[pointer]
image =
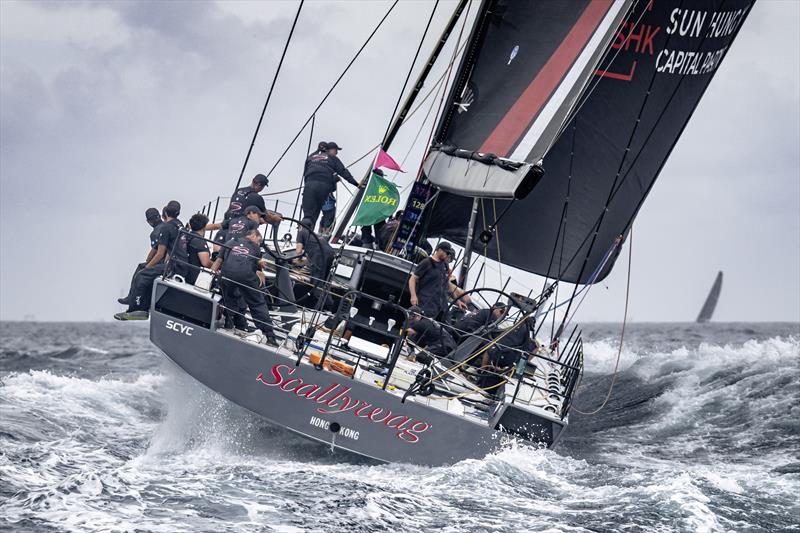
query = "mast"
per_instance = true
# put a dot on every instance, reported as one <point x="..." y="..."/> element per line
<point x="462" y="76"/>
<point x="467" y="260"/>
<point x="398" y="120"/>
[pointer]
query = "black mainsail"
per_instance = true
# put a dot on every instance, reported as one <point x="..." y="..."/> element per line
<point x="526" y="66"/>
<point x="611" y="140"/>
<point x="711" y="301"/>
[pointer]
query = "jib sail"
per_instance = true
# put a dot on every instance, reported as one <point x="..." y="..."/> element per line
<point x="608" y="155"/>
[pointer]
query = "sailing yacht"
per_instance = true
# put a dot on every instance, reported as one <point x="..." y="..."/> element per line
<point x="557" y="120"/>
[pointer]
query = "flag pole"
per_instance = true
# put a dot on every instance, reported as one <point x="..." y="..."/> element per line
<point x="398" y="120"/>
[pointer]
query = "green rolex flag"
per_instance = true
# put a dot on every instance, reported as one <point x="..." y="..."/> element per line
<point x="380" y="201"/>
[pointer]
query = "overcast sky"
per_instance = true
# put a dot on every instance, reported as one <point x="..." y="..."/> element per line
<point x="107" y="108"/>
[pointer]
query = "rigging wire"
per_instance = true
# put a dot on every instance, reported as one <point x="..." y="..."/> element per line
<point x="269" y="95"/>
<point x="419" y="131"/>
<point x="434" y="90"/>
<point x="449" y="71"/>
<point x="457" y="49"/>
<point x="621" y="335"/>
<point x="308" y="151"/>
<point x="339" y="79"/>
<point x="411" y="69"/>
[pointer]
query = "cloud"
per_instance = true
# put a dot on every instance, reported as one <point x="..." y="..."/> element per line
<point x="107" y="108"/>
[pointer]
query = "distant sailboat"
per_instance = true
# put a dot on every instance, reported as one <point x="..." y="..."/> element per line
<point x="711" y="301"/>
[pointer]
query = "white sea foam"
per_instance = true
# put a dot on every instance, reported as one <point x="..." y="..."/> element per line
<point x="159" y="452"/>
<point x="601" y="356"/>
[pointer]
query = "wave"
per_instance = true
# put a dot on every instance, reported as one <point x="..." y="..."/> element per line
<point x="600" y="355"/>
<point x="697" y="404"/>
<point x="699" y="437"/>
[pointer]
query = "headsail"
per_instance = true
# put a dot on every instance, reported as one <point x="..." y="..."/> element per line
<point x="711" y="301"/>
<point x="526" y="66"/>
<point x="602" y="166"/>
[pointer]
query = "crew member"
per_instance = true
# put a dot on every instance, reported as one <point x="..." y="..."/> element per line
<point x="497" y="361"/>
<point x="318" y="255"/>
<point x="239" y="262"/>
<point x="322" y="171"/>
<point x="247" y="196"/>
<point x="429" y="284"/>
<point x="251" y="218"/>
<point x="239" y="226"/>
<point x="481" y="319"/>
<point x="196" y="247"/>
<point x="502" y="355"/>
<point x="428" y="335"/>
<point x="167" y="243"/>
<point x="220" y="238"/>
<point x="153" y="218"/>
<point x="386" y="232"/>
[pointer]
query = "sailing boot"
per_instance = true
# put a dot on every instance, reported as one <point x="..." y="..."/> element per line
<point x="132" y="315"/>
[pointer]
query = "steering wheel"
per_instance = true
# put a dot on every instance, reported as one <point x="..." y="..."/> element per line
<point x="289" y="256"/>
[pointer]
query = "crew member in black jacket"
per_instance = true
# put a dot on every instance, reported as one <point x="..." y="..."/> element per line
<point x="239" y="262"/>
<point x="247" y="196"/>
<point x="323" y="170"/>
<point x="153" y="218"/>
<point x="168" y="244"/>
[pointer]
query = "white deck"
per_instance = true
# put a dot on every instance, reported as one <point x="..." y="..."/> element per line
<point x="545" y="399"/>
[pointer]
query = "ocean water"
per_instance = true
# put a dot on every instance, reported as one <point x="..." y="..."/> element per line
<point x="702" y="433"/>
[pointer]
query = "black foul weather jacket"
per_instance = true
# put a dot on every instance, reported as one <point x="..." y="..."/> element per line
<point x="327" y="169"/>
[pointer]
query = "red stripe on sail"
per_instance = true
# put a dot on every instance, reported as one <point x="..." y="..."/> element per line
<point x="528" y="105"/>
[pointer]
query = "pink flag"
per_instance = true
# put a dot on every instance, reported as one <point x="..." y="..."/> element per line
<point x="384" y="160"/>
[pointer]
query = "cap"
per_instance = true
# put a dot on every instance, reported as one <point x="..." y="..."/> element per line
<point x="261" y="179"/>
<point x="322" y="146"/>
<point x="308" y="221"/>
<point x="333" y="145"/>
<point x="447" y="247"/>
<point x="416" y="310"/>
<point x="378" y="171"/>
<point x="253" y="209"/>
<point x="152" y="214"/>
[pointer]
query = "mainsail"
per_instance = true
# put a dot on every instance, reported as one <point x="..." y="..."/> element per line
<point x="711" y="301"/>
<point x="525" y="68"/>
<point x="617" y="136"/>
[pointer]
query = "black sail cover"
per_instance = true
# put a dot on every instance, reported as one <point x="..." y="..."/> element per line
<point x="609" y="153"/>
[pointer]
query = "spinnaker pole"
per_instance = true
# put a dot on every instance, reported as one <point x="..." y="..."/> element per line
<point x="391" y="133"/>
